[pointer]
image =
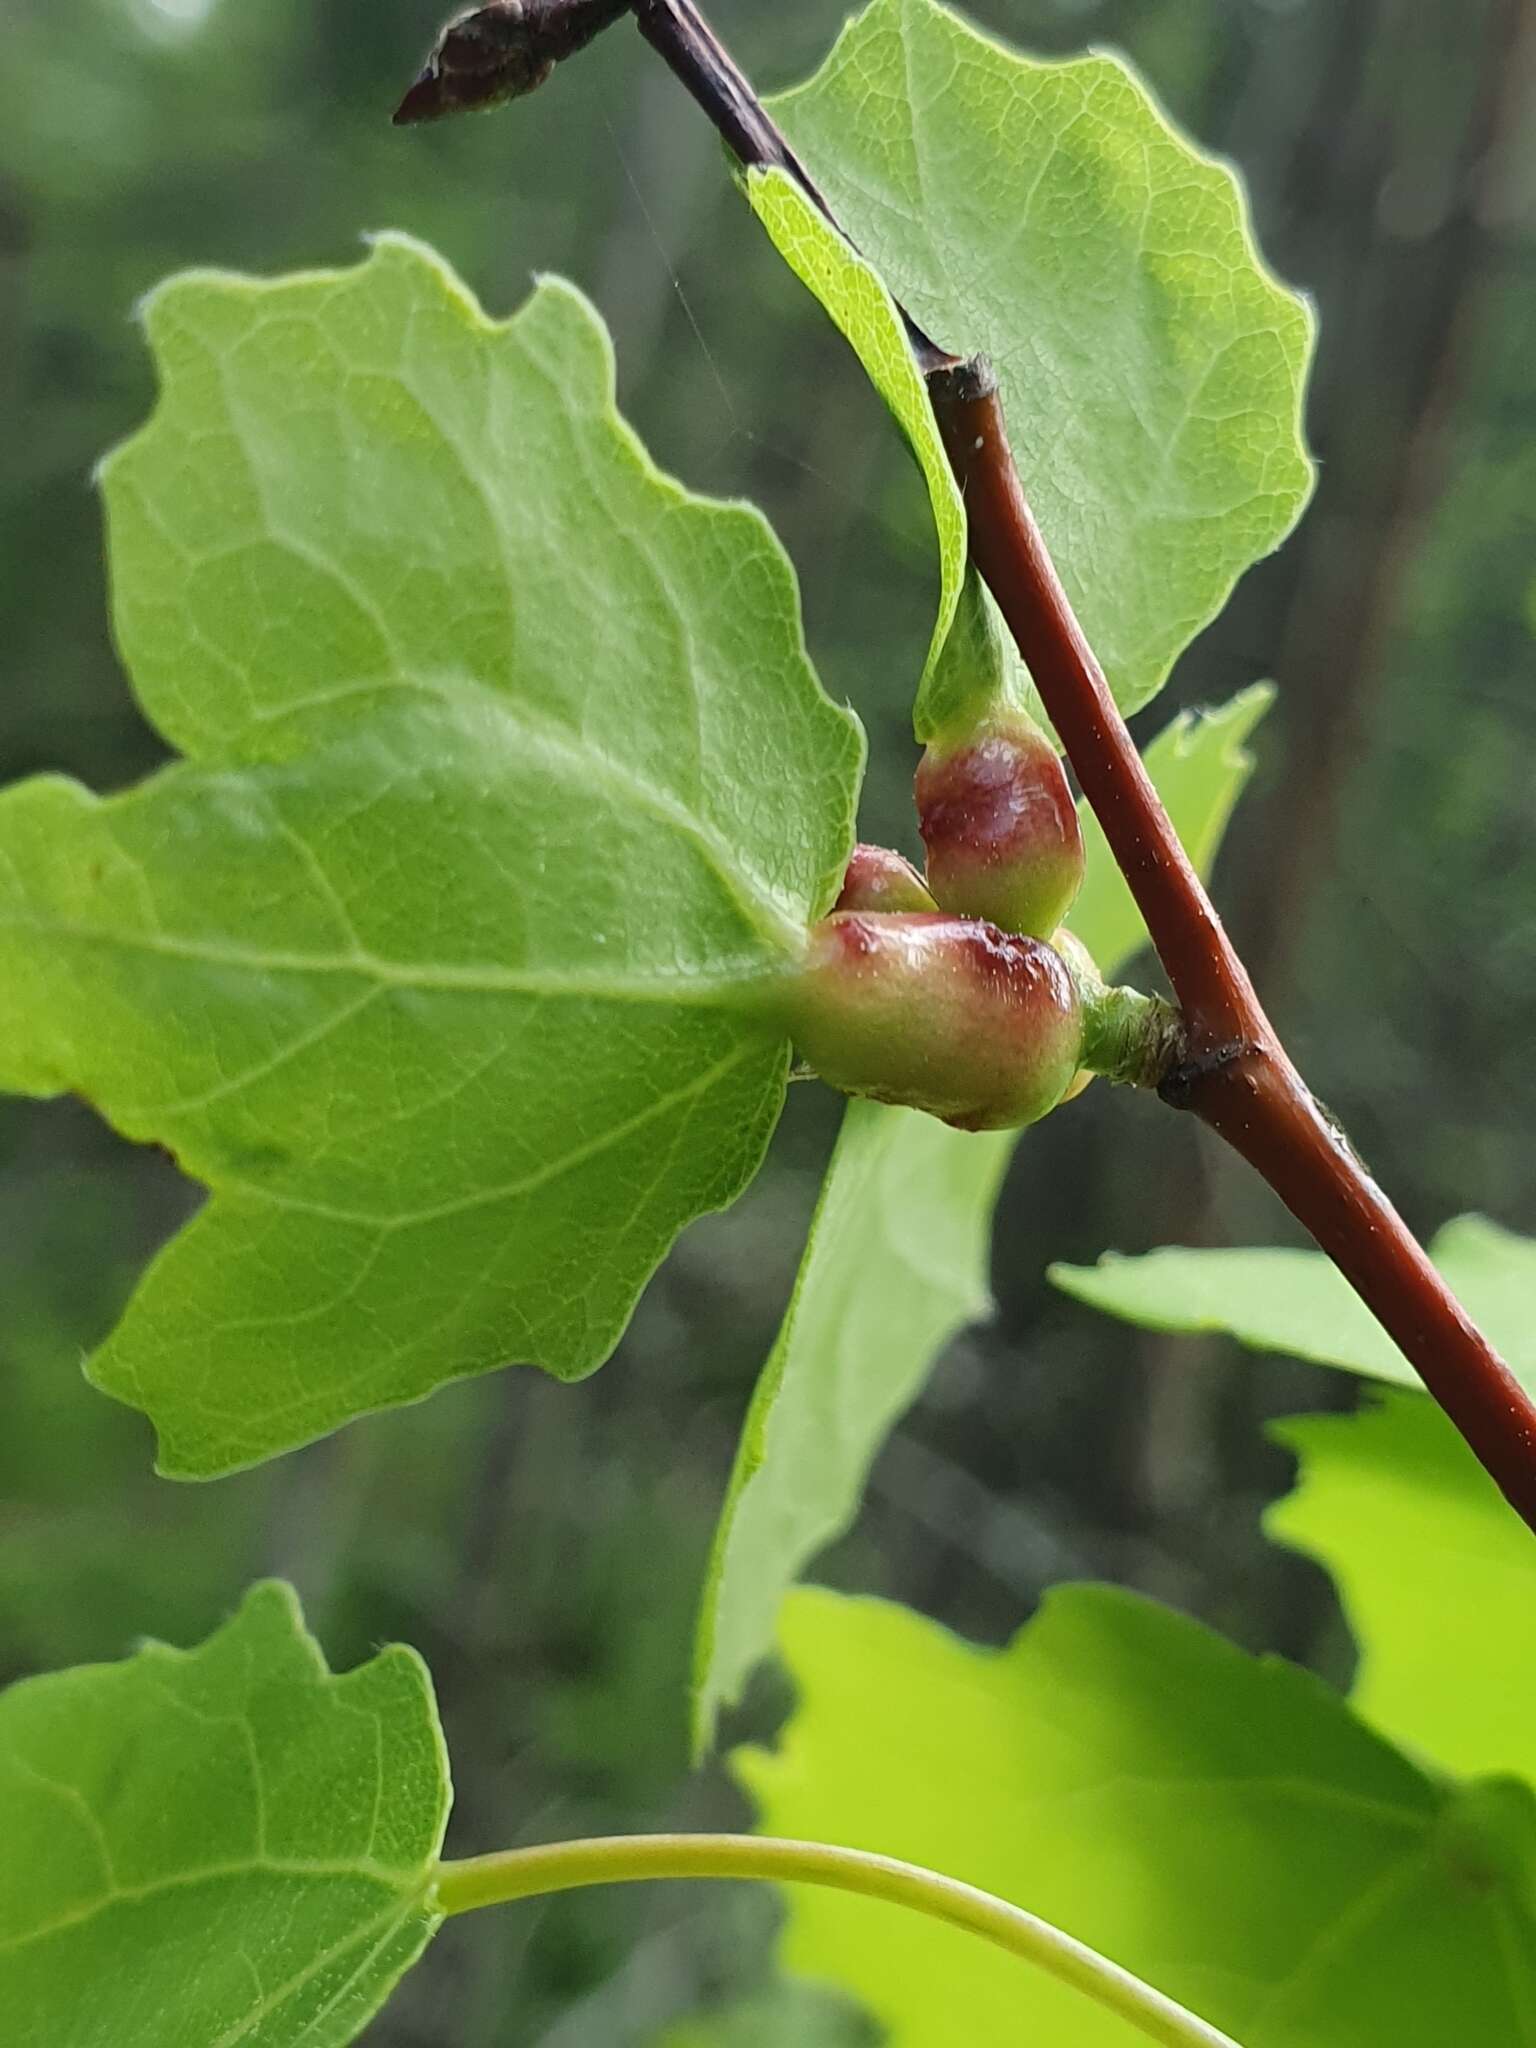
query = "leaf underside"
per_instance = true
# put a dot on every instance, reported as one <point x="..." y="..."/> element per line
<point x="505" y="769"/>
<point x="226" y="1847"/>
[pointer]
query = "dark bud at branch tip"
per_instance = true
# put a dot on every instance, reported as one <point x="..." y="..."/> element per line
<point x="501" y="52"/>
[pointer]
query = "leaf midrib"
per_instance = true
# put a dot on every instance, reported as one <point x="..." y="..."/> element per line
<point x="716" y="989"/>
<point x="365" y="1869"/>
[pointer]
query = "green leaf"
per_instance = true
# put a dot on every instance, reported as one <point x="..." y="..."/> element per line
<point x="1220" y="1825"/>
<point x="1298" y="1302"/>
<point x="1436" y="1576"/>
<point x="1434" y="1573"/>
<point x="1048" y="216"/>
<point x="226" y="1846"/>
<point x="853" y="294"/>
<point x="977" y="671"/>
<point x="507" y="772"/>
<point x="897" y="1263"/>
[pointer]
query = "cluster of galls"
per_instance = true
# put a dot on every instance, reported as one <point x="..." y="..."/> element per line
<point x="956" y="991"/>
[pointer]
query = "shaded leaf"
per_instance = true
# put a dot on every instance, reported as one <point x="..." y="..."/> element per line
<point x="1048" y="216"/>
<point x="1437" y="1579"/>
<point x="1220" y="1825"/>
<point x="896" y="1264"/>
<point x="507" y="772"/>
<point x="218" y="1847"/>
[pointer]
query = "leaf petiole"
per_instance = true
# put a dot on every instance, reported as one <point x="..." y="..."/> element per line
<point x="634" y="1859"/>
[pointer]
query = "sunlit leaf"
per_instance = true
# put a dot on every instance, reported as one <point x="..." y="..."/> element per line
<point x="226" y="1848"/>
<point x="506" y="767"/>
<point x="897" y="1263"/>
<point x="1436" y="1576"/>
<point x="1220" y="1825"/>
<point x="1298" y="1302"/>
<point x="853" y="294"/>
<point x="1047" y="215"/>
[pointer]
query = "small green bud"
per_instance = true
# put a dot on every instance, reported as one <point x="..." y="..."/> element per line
<point x="878" y="879"/>
<point x="979" y="1027"/>
<point x="1000" y="826"/>
<point x="1129" y="1038"/>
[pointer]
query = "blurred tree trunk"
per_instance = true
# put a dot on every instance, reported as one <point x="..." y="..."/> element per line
<point x="1390" y="231"/>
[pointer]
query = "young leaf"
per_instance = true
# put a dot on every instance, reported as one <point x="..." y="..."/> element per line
<point x="977" y="671"/>
<point x="1296" y="1301"/>
<point x="226" y="1846"/>
<point x="1048" y="216"/>
<point x="1436" y="1577"/>
<point x="506" y="771"/>
<point x="1221" y="1825"/>
<point x="897" y="1264"/>
<point x="857" y="300"/>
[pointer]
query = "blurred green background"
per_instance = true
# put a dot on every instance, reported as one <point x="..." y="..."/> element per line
<point x="543" y="1546"/>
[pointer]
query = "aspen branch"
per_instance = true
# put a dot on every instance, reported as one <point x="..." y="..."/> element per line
<point x="1231" y="1070"/>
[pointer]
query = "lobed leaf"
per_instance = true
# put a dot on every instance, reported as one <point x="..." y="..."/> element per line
<point x="897" y="1264"/>
<point x="506" y="774"/>
<point x="227" y="1847"/>
<point x="1298" y="1302"/>
<point x="1221" y="1825"/>
<point x="1436" y="1577"/>
<point x="1047" y="215"/>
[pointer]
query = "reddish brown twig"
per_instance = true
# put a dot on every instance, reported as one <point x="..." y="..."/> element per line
<point x="1234" y="1074"/>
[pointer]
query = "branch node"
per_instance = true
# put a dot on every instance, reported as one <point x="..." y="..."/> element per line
<point x="1178" y="1085"/>
<point x="507" y="48"/>
<point x="962" y="381"/>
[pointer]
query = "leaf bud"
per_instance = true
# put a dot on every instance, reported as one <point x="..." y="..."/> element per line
<point x="979" y="1027"/>
<point x="499" y="52"/>
<point x="1129" y="1038"/>
<point x="878" y="879"/>
<point x="1000" y="825"/>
